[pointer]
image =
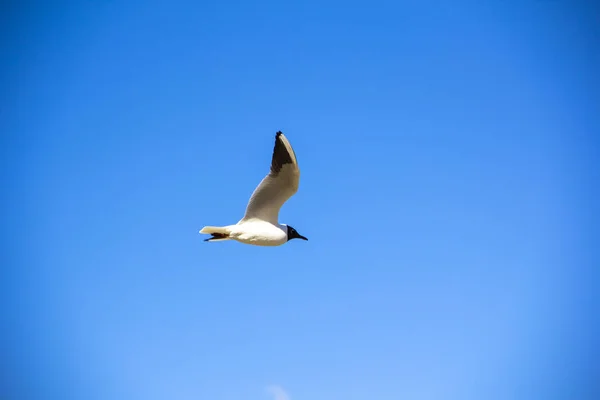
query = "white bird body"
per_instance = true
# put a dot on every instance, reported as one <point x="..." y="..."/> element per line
<point x="260" y="226"/>
<point x="256" y="232"/>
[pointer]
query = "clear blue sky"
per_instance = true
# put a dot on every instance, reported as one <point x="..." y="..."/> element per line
<point x="446" y="153"/>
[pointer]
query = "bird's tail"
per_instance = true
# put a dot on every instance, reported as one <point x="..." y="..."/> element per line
<point x="218" y="233"/>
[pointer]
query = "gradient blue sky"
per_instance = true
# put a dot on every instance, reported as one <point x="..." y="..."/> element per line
<point x="446" y="150"/>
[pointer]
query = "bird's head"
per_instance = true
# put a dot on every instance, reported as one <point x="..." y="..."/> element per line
<point x="293" y="234"/>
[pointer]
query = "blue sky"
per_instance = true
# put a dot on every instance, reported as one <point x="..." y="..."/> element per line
<point x="446" y="151"/>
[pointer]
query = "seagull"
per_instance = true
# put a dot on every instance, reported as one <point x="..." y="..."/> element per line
<point x="260" y="225"/>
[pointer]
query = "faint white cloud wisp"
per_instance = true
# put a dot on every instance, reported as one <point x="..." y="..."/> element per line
<point x="277" y="392"/>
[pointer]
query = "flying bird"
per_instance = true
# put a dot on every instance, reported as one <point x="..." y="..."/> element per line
<point x="260" y="225"/>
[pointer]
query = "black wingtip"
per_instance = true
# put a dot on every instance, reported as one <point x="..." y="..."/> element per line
<point x="280" y="154"/>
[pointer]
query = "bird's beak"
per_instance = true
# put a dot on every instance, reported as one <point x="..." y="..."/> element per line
<point x="302" y="237"/>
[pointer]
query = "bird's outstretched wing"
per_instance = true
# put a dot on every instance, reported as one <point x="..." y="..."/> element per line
<point x="278" y="186"/>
